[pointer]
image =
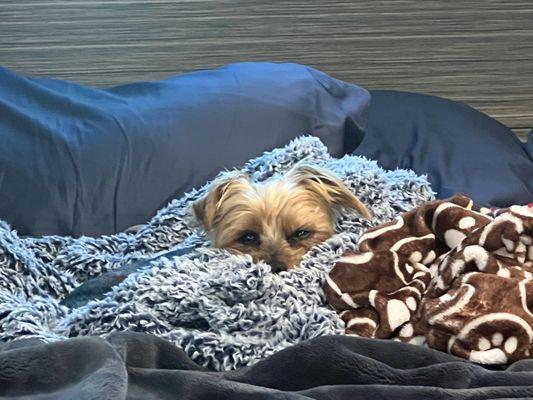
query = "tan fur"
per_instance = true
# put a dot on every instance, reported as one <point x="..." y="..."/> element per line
<point x="305" y="199"/>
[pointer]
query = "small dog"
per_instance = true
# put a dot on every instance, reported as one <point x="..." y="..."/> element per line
<point x="277" y="221"/>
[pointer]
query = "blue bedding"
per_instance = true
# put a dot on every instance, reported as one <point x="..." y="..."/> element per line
<point x="82" y="161"/>
<point x="458" y="147"/>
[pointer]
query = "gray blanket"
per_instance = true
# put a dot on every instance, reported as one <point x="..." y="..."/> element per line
<point x="223" y="310"/>
<point x="137" y="366"/>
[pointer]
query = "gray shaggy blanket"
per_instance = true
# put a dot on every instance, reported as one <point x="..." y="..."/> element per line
<point x="223" y="310"/>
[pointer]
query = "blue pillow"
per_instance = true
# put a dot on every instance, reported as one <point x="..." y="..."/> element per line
<point x="458" y="147"/>
<point x="82" y="161"/>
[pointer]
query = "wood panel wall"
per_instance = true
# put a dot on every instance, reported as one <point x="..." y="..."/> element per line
<point x="477" y="51"/>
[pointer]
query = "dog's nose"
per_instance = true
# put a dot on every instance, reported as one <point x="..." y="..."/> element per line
<point x="278" y="266"/>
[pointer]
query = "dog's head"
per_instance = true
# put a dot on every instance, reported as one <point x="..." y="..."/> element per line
<point x="277" y="221"/>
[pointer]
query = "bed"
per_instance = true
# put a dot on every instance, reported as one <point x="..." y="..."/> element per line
<point x="79" y="169"/>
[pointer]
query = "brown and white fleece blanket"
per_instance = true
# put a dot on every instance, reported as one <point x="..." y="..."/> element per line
<point x="445" y="276"/>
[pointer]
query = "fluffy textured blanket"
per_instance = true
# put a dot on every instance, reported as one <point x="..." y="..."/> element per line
<point x="223" y="310"/>
<point x="443" y="275"/>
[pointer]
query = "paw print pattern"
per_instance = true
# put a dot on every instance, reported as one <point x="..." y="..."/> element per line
<point x="497" y="338"/>
<point x="445" y="276"/>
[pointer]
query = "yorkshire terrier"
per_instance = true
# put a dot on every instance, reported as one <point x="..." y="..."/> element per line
<point x="276" y="221"/>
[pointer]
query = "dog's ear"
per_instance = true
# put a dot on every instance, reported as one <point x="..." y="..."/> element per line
<point x="206" y="207"/>
<point x="328" y="187"/>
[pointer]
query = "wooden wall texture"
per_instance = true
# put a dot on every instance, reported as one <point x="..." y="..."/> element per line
<point x="477" y="51"/>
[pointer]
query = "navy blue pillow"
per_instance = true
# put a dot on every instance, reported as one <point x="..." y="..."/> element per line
<point x="458" y="147"/>
<point x="81" y="161"/>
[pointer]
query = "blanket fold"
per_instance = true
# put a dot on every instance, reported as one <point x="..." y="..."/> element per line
<point x="443" y="275"/>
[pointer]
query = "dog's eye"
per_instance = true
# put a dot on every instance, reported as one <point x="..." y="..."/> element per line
<point x="301" y="234"/>
<point x="249" y="238"/>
